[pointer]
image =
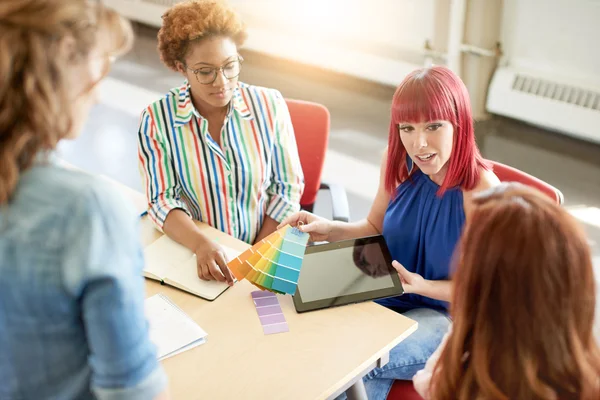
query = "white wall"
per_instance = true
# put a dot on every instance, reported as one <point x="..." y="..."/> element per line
<point x="559" y="37"/>
<point x="379" y="40"/>
<point x="374" y="24"/>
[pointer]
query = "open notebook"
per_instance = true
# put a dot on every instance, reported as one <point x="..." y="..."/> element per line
<point x="173" y="264"/>
<point x="171" y="330"/>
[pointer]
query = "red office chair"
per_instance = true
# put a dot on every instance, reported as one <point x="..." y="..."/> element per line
<point x="403" y="390"/>
<point x="311" y="126"/>
<point x="510" y="174"/>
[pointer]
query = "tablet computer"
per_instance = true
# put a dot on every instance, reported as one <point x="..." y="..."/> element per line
<point x="345" y="272"/>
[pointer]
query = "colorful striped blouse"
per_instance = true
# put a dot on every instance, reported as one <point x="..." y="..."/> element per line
<point x="255" y="172"/>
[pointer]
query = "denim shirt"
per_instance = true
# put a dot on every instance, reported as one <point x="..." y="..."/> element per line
<point x="72" y="322"/>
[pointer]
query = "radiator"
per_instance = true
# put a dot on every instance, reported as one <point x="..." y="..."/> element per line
<point x="546" y="101"/>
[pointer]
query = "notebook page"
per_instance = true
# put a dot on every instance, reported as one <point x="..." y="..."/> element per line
<point x="164" y="254"/>
<point x="185" y="277"/>
<point x="186" y="348"/>
<point x="230" y="253"/>
<point x="171" y="330"/>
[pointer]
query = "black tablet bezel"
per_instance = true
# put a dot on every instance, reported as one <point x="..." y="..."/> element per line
<point x="396" y="290"/>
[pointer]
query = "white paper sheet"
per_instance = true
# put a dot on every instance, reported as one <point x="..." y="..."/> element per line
<point x="171" y="330"/>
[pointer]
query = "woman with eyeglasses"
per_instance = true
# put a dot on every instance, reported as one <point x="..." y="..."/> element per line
<point x="523" y="306"/>
<point x="215" y="149"/>
<point x="72" y="323"/>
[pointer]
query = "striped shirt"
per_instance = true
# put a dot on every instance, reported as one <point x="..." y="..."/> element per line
<point x="255" y="172"/>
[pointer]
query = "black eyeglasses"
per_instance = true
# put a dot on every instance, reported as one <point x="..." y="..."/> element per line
<point x="207" y="75"/>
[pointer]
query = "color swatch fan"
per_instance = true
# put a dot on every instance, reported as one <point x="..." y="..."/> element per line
<point x="273" y="263"/>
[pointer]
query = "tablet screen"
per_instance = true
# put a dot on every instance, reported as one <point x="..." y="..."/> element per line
<point x="346" y="272"/>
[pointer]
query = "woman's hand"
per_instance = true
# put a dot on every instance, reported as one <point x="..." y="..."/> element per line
<point x="318" y="228"/>
<point x="212" y="262"/>
<point x="422" y="379"/>
<point x="411" y="282"/>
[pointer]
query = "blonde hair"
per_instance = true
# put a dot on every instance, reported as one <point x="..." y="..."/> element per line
<point x="194" y="20"/>
<point x="35" y="97"/>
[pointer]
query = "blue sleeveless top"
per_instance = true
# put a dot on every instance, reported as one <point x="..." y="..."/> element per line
<point x="421" y="230"/>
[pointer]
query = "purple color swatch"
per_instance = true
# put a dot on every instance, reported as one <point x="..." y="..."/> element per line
<point x="269" y="312"/>
<point x="279" y="328"/>
<point x="265" y="301"/>
<point x="272" y="319"/>
<point x="262" y="293"/>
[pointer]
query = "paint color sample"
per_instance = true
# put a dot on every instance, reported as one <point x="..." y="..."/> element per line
<point x="273" y="263"/>
<point x="269" y="312"/>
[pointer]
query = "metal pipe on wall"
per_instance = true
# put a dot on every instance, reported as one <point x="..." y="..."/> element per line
<point x="481" y="50"/>
<point x="456" y="32"/>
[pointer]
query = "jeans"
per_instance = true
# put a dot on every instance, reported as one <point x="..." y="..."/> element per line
<point x="410" y="355"/>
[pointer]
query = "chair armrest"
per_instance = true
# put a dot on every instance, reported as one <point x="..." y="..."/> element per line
<point x="339" y="201"/>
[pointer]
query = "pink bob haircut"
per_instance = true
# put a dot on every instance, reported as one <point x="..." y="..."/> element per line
<point x="434" y="94"/>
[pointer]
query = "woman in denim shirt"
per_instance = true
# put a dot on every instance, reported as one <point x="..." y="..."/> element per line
<point x="72" y="322"/>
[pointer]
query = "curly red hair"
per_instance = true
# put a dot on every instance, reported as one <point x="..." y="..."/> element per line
<point x="193" y="20"/>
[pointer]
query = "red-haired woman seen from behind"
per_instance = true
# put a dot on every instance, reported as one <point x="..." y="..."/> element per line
<point x="523" y="306"/>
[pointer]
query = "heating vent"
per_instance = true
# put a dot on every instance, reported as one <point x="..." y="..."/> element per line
<point x="541" y="99"/>
<point x="556" y="91"/>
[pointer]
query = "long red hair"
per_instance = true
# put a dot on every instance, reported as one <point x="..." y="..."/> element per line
<point x="430" y="94"/>
<point x="523" y="305"/>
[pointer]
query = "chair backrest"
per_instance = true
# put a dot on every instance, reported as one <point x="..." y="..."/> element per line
<point x="311" y="123"/>
<point x="509" y="174"/>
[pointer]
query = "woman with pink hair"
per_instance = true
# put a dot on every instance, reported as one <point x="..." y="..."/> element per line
<point x="429" y="173"/>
